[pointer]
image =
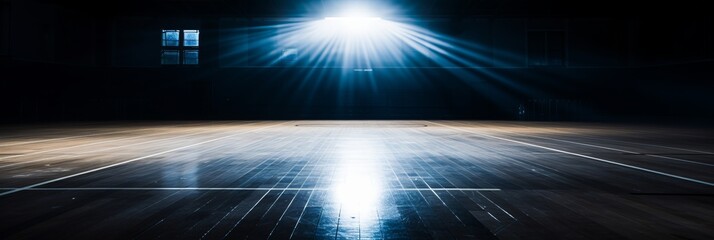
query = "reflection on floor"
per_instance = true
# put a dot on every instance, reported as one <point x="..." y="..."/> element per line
<point x="356" y="179"/>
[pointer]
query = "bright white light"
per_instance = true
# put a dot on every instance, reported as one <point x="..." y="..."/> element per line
<point x="353" y="19"/>
<point x="358" y="185"/>
<point x="355" y="40"/>
<point x="353" y="24"/>
<point x="358" y="192"/>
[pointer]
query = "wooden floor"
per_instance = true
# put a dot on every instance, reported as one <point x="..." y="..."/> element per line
<point x="356" y="179"/>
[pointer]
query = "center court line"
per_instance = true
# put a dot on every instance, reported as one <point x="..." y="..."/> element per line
<point x="581" y="155"/>
<point x="238" y="189"/>
<point x="128" y="161"/>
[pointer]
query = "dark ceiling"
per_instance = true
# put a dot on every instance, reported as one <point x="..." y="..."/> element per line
<point x="432" y="8"/>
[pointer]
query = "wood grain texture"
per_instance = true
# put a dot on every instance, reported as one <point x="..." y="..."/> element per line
<point x="356" y="179"/>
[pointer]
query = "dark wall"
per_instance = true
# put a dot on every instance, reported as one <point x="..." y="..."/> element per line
<point x="42" y="32"/>
<point x="76" y="93"/>
<point x="4" y="29"/>
<point x="63" y="63"/>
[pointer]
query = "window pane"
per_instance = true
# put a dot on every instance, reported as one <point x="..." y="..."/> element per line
<point x="170" y="38"/>
<point x="169" y="57"/>
<point x="190" y="38"/>
<point x="190" y="57"/>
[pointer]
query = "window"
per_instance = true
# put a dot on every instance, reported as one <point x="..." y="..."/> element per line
<point x="179" y="47"/>
<point x="170" y="38"/>
<point x="190" y="38"/>
<point x="546" y="48"/>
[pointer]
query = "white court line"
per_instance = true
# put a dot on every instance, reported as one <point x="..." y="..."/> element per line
<point x="90" y="144"/>
<point x="79" y="136"/>
<point x="127" y="161"/>
<point x="65" y="138"/>
<point x="679" y="159"/>
<point x="630" y="142"/>
<point x="621" y="150"/>
<point x="581" y="155"/>
<point x="662" y="146"/>
<point x="110" y="148"/>
<point x="239" y="189"/>
<point x="611" y="149"/>
<point x="75" y="146"/>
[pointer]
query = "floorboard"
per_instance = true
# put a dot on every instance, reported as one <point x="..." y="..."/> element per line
<point x="356" y="179"/>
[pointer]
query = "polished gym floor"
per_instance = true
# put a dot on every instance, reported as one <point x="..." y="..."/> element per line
<point x="356" y="179"/>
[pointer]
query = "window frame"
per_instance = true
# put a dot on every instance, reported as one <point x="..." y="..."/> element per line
<point x="181" y="48"/>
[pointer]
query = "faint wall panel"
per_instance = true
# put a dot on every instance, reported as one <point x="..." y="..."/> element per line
<point x="546" y="48"/>
<point x="136" y="42"/>
<point x="4" y="28"/>
<point x="479" y="32"/>
<point x="509" y="42"/>
<point x="75" y="39"/>
<point x="547" y="24"/>
<point x="33" y="35"/>
<point x="597" y="42"/>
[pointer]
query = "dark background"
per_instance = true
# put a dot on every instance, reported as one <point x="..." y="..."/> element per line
<point x="615" y="61"/>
